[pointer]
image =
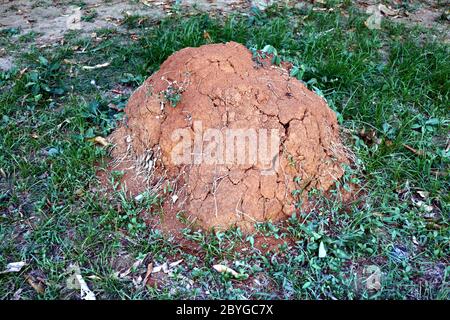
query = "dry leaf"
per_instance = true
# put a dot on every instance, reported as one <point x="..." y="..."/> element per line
<point x="97" y="66"/>
<point x="14" y="267"/>
<point x="102" y="141"/>
<point x="147" y="2"/>
<point x="423" y="205"/>
<point x="206" y="36"/>
<point x="157" y="269"/>
<point x="68" y="61"/>
<point x="35" y="284"/>
<point x="148" y="273"/>
<point x="418" y="152"/>
<point x="135" y="265"/>
<point x="387" y="11"/>
<point x="174" y="264"/>
<point x="423" y="194"/>
<point x="224" y="269"/>
<point x="165" y="267"/>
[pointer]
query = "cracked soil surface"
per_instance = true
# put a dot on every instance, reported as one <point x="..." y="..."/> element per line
<point x="225" y="87"/>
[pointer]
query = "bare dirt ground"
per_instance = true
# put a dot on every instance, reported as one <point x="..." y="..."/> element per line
<point x="50" y="20"/>
<point x="429" y="14"/>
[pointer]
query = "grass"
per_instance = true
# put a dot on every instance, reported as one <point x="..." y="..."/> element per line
<point x="390" y="88"/>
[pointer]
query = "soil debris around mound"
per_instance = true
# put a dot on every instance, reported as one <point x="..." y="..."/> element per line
<point x="231" y="139"/>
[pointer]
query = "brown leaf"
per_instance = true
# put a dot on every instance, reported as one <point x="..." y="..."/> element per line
<point x="35" y="284"/>
<point x="148" y="274"/>
<point x="101" y="141"/>
<point x="369" y="136"/>
<point x="206" y="36"/>
<point x="417" y="152"/>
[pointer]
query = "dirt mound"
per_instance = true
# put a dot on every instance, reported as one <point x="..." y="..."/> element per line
<point x="230" y="138"/>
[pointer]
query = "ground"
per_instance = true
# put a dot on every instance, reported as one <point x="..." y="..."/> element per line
<point x="62" y="87"/>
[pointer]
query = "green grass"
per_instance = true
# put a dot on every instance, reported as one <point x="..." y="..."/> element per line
<point x="392" y="82"/>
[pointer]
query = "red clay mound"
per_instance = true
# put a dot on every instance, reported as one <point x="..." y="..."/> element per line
<point x="235" y="140"/>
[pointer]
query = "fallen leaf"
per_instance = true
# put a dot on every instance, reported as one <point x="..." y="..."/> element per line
<point x="386" y="10"/>
<point x="423" y="205"/>
<point x="97" y="66"/>
<point x="157" y="269"/>
<point x="165" y="267"/>
<point x="224" y="269"/>
<point x="174" y="264"/>
<point x="322" y="250"/>
<point x="117" y="91"/>
<point x="369" y="137"/>
<point x="68" y="61"/>
<point x="14" y="267"/>
<point x="423" y="194"/>
<point x="148" y="273"/>
<point x="135" y="265"/>
<point x="206" y="36"/>
<point x="100" y="140"/>
<point x="23" y="71"/>
<point x="35" y="284"/>
<point x="418" y="152"/>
